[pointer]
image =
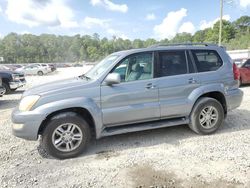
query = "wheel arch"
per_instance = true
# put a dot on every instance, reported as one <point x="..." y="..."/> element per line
<point x="217" y="95"/>
<point x="83" y="112"/>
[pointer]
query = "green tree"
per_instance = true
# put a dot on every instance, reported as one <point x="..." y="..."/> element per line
<point x="243" y="24"/>
<point x="182" y="38"/>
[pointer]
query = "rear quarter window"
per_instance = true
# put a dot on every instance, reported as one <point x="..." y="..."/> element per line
<point x="207" y="60"/>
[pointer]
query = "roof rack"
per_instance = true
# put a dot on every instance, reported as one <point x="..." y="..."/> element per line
<point x="183" y="44"/>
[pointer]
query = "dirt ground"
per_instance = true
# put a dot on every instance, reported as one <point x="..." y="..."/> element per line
<point x="169" y="157"/>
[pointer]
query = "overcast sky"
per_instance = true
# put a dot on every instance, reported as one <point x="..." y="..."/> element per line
<point x="124" y="18"/>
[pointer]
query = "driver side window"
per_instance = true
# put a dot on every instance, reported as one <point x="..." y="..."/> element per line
<point x="136" y="67"/>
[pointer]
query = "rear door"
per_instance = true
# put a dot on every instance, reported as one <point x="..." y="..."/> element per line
<point x="177" y="78"/>
<point x="136" y="98"/>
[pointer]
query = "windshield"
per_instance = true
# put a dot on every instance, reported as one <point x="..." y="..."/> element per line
<point x="97" y="70"/>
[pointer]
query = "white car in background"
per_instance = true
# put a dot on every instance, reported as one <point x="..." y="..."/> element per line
<point x="44" y="65"/>
<point x="34" y="70"/>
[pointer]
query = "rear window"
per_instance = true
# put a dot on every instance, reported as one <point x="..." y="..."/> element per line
<point x="207" y="60"/>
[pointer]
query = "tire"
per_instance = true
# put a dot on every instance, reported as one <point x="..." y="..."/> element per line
<point x="60" y="122"/>
<point x="200" y="122"/>
<point x="40" y="73"/>
<point x="7" y="89"/>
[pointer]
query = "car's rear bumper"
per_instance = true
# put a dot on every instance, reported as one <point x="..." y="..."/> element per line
<point x="234" y="98"/>
<point x="26" y="124"/>
<point x="16" y="84"/>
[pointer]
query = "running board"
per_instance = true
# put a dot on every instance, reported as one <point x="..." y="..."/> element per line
<point x="109" y="131"/>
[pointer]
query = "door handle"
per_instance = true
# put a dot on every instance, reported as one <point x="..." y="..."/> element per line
<point x="192" y="81"/>
<point x="150" y="86"/>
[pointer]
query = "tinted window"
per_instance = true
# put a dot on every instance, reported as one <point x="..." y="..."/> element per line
<point x="136" y="67"/>
<point x="206" y="60"/>
<point x="172" y="63"/>
<point x="247" y="63"/>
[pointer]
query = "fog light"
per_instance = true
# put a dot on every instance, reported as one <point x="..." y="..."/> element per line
<point x="17" y="126"/>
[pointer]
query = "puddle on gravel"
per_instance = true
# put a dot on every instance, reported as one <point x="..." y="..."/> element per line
<point x="146" y="176"/>
<point x="101" y="155"/>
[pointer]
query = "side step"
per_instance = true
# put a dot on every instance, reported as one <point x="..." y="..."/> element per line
<point x="143" y="126"/>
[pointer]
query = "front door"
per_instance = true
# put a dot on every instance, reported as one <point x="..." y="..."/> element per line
<point x="135" y="99"/>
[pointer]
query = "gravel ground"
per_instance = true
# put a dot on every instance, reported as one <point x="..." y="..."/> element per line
<point x="170" y="157"/>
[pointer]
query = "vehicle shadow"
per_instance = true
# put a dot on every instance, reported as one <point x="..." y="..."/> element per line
<point x="237" y="120"/>
<point x="244" y="85"/>
<point x="16" y="92"/>
<point x="111" y="146"/>
<point x="7" y="104"/>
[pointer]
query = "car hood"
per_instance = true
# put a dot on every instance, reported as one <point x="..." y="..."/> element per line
<point x="57" y="87"/>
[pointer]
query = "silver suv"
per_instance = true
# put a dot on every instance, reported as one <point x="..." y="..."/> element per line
<point x="134" y="90"/>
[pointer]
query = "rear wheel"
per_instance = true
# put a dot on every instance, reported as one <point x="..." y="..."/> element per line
<point x="66" y="136"/>
<point x="40" y="73"/>
<point x="207" y="116"/>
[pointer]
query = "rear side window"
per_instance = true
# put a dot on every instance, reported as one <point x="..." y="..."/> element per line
<point x="207" y="60"/>
<point x="172" y="63"/>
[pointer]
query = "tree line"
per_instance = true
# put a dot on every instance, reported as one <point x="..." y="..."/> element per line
<point x="48" y="48"/>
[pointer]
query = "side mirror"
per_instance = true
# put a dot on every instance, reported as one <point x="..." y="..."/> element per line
<point x="113" y="78"/>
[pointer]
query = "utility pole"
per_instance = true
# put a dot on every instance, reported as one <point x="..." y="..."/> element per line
<point x="221" y="17"/>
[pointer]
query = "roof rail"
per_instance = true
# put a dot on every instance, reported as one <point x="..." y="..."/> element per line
<point x="183" y="44"/>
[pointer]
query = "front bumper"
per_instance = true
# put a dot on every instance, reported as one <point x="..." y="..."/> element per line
<point x="234" y="98"/>
<point x="26" y="124"/>
<point x="16" y="84"/>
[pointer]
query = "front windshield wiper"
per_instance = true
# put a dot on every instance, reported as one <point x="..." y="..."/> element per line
<point x="84" y="76"/>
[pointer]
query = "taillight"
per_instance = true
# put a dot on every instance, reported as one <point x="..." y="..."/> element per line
<point x="236" y="72"/>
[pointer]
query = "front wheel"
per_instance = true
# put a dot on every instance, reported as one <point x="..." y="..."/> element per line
<point x="207" y="116"/>
<point x="40" y="73"/>
<point x="66" y="135"/>
<point x="6" y="88"/>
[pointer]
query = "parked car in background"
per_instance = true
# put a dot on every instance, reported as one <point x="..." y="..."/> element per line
<point x="11" y="80"/>
<point x="1" y="88"/>
<point x="128" y="91"/>
<point x="77" y="65"/>
<point x="245" y="72"/>
<point x="63" y="65"/>
<point x="4" y="67"/>
<point x="239" y="62"/>
<point x="44" y="65"/>
<point x="52" y="67"/>
<point x="34" y="70"/>
<point x="13" y="67"/>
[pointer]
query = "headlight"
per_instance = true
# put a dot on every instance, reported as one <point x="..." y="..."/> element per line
<point x="28" y="102"/>
<point x="15" y="77"/>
